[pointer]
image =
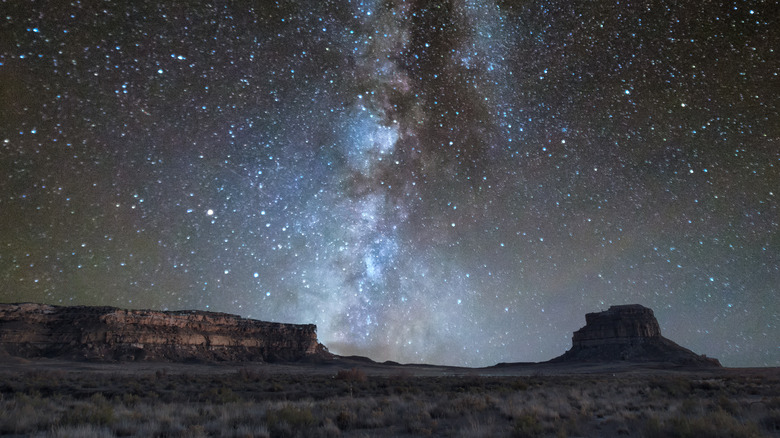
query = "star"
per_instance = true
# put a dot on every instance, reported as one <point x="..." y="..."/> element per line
<point x="444" y="182"/>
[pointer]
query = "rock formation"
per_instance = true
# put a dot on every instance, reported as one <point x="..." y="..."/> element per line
<point x="619" y="324"/>
<point x="628" y="333"/>
<point x="107" y="333"/>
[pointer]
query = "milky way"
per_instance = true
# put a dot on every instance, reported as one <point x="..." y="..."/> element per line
<point x="452" y="182"/>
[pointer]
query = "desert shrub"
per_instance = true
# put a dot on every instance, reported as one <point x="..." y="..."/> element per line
<point x="707" y="385"/>
<point x="771" y="421"/>
<point x="773" y="403"/>
<point x="196" y="431"/>
<point x="519" y="385"/>
<point x="460" y="406"/>
<point x="251" y="375"/>
<point x="673" y="387"/>
<point x="690" y="406"/>
<point x="728" y="405"/>
<point x="81" y="431"/>
<point x="717" y="424"/>
<point x="569" y="427"/>
<point x="126" y="426"/>
<point x="415" y="417"/>
<point x="221" y="395"/>
<point x="18" y="416"/>
<point x="129" y="399"/>
<point x="89" y="413"/>
<point x="329" y="429"/>
<point x="375" y="419"/>
<point x="526" y="425"/>
<point x="96" y="411"/>
<point x="445" y="409"/>
<point x="275" y="387"/>
<point x="287" y="419"/>
<point x="478" y="426"/>
<point x="351" y="375"/>
<point x="245" y="431"/>
<point x="653" y="428"/>
<point x="346" y="419"/>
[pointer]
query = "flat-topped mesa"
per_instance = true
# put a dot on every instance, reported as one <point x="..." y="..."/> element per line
<point x="619" y="324"/>
<point x="628" y="333"/>
<point x="107" y="333"/>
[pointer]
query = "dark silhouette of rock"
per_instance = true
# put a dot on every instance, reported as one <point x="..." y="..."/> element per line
<point x="628" y="333"/>
<point x="619" y="324"/>
<point x="110" y="334"/>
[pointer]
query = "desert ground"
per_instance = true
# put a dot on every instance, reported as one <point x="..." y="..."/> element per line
<point x="351" y="397"/>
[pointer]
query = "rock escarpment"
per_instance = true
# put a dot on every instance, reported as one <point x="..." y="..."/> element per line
<point x="619" y="324"/>
<point x="107" y="333"/>
<point x="628" y="333"/>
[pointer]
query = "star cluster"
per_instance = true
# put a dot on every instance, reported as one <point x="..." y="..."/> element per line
<point x="442" y="181"/>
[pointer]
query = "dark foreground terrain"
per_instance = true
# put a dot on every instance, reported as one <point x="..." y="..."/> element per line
<point x="353" y="398"/>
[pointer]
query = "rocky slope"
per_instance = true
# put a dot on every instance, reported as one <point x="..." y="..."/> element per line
<point x="107" y="333"/>
<point x="628" y="333"/>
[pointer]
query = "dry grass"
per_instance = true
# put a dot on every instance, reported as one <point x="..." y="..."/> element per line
<point x="253" y="403"/>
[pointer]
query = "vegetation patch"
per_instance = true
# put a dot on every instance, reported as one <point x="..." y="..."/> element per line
<point x="351" y="403"/>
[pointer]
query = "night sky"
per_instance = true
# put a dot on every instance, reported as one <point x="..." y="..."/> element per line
<point x="451" y="182"/>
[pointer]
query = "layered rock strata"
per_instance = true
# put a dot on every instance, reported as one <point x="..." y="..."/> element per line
<point x="628" y="333"/>
<point x="619" y="324"/>
<point x="110" y="334"/>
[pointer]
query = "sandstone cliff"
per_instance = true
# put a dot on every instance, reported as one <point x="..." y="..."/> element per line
<point x="107" y="333"/>
<point x="628" y="333"/>
<point x="619" y="324"/>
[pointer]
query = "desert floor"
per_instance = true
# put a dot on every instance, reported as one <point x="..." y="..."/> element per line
<point x="355" y="398"/>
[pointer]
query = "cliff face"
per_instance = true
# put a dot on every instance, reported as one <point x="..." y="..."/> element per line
<point x="628" y="333"/>
<point x="107" y="333"/>
<point x="619" y="324"/>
